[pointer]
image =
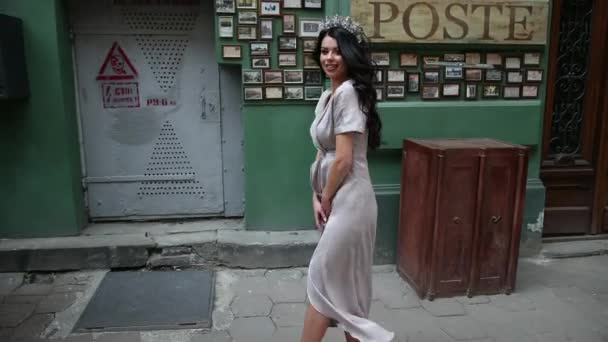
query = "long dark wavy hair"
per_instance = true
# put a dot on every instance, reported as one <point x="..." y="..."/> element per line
<point x="361" y="69"/>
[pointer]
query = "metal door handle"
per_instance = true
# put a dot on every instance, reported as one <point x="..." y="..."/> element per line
<point x="496" y="219"/>
<point x="456" y="219"/>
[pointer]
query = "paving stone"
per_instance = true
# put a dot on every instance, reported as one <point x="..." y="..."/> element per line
<point x="250" y="273"/>
<point x="5" y="333"/>
<point x="383" y="316"/>
<point x="551" y="337"/>
<point x="442" y="307"/>
<point x="435" y="335"/>
<point x="78" y="338"/>
<point x="283" y="274"/>
<point x="214" y="336"/>
<point x="9" y="282"/>
<point x="33" y="326"/>
<point x="222" y="319"/>
<point x="119" y="337"/>
<point x="11" y="315"/>
<point x="288" y="314"/>
<point x="463" y="328"/>
<point x="288" y="291"/>
<point x="70" y="288"/>
<point x="33" y="290"/>
<point x="474" y="300"/>
<point x="287" y="334"/>
<point x="513" y="303"/>
<point x="56" y="302"/>
<point x="251" y="306"/>
<point x="72" y="279"/>
<point x="333" y="335"/>
<point x="252" y="286"/>
<point x="411" y="321"/>
<point x="23" y="299"/>
<point x="252" y="329"/>
<point x="406" y="301"/>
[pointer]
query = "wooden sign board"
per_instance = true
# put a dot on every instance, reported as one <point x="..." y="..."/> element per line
<point x="454" y="21"/>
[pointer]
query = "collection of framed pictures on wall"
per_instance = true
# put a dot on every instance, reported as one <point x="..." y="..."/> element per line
<point x="513" y="76"/>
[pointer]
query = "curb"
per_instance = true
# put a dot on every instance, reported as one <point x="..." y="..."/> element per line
<point x="575" y="249"/>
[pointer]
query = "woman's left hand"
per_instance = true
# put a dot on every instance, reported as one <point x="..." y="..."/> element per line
<point x="326" y="205"/>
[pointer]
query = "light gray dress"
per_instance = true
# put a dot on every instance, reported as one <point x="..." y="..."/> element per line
<point x="339" y="275"/>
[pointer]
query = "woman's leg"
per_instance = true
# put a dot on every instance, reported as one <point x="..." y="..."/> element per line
<point x="350" y="338"/>
<point x="315" y="325"/>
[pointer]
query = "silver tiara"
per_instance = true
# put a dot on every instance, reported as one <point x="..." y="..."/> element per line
<point x="346" y="23"/>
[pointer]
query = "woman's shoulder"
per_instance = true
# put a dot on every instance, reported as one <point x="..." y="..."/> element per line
<point x="346" y="89"/>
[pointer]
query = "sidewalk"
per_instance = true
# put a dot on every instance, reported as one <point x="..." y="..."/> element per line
<point x="556" y="300"/>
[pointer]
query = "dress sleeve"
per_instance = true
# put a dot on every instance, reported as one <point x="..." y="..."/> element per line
<point x="348" y="116"/>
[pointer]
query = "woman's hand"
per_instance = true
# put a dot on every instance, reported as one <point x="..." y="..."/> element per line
<point x="320" y="217"/>
<point x="326" y="205"/>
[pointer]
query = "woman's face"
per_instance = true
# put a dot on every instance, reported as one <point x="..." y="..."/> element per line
<point x="331" y="60"/>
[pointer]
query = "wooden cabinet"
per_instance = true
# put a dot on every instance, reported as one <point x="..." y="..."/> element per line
<point x="460" y="215"/>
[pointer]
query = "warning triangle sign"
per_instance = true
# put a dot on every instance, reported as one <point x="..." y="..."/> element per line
<point x="116" y="66"/>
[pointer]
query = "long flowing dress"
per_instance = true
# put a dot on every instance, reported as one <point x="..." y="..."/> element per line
<point x="339" y="275"/>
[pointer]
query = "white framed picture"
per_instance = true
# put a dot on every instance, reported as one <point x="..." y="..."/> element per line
<point x="381" y="58"/>
<point x="407" y="59"/>
<point x="252" y="76"/>
<point x="453" y="73"/>
<point x="248" y="17"/>
<point x="253" y="93"/>
<point x="395" y="76"/>
<point x="247" y="4"/>
<point x="225" y="6"/>
<point x="292" y="3"/>
<point x="287" y="59"/>
<point x="266" y="31"/>
<point x="270" y="8"/>
<point x="512" y="62"/>
<point x="225" y="26"/>
<point x="313" y="4"/>
<point x="451" y="89"/>
<point x="294" y="93"/>
<point x="273" y="93"/>
<point x="310" y="27"/>
<point x="312" y="93"/>
<point x="511" y="92"/>
<point x="532" y="58"/>
<point x="395" y="91"/>
<point x="295" y="76"/>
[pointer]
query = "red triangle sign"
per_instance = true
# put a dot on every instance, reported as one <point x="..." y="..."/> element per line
<point x="116" y="66"/>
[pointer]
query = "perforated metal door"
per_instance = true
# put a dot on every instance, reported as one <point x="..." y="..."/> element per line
<point x="148" y="90"/>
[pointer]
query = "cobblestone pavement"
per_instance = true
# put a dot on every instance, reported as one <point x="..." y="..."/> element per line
<point x="555" y="301"/>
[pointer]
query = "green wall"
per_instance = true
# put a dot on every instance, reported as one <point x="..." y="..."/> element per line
<point x="40" y="173"/>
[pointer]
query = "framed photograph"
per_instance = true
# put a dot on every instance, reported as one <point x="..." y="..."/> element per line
<point x="260" y="62"/>
<point x="494" y="58"/>
<point x="512" y="62"/>
<point x="294" y="93"/>
<point x="430" y="92"/>
<point x="511" y="92"/>
<point x="407" y="59"/>
<point x="453" y="73"/>
<point x="493" y="75"/>
<point x="293" y="76"/>
<point x="534" y="75"/>
<point x="529" y="91"/>
<point x="451" y="90"/>
<point x="273" y="93"/>
<point x="292" y="3"/>
<point x="395" y="76"/>
<point x="381" y="58"/>
<point x="515" y="76"/>
<point x="413" y="82"/>
<point x="289" y="23"/>
<point x="430" y="77"/>
<point x="224" y="6"/>
<point x="379" y="76"/>
<point x="379" y="93"/>
<point x="310" y="27"/>
<point x="309" y="62"/>
<point x="247" y="32"/>
<point x="312" y="76"/>
<point x="312" y="93"/>
<point x="247" y="4"/>
<point x="491" y="90"/>
<point x="231" y="51"/>
<point x="273" y="76"/>
<point x="395" y="92"/>
<point x="258" y="49"/>
<point x="430" y="59"/>
<point x="472" y="58"/>
<point x="288" y="43"/>
<point x="252" y="76"/>
<point x="309" y="44"/>
<point x="471" y="92"/>
<point x="248" y="17"/>
<point x="266" y="31"/>
<point x="474" y="75"/>
<point x="454" y="57"/>
<point x="532" y="58"/>
<point x="253" y="93"/>
<point x="270" y="8"/>
<point x="313" y="3"/>
<point x="287" y="59"/>
<point x="225" y="26"/>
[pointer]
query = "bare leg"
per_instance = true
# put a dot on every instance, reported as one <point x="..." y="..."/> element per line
<point x="315" y="325"/>
<point x="350" y="338"/>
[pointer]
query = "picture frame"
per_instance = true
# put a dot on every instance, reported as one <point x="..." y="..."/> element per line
<point x="294" y="93"/>
<point x="260" y="62"/>
<point x="451" y="90"/>
<point x="248" y="18"/>
<point x="289" y="23"/>
<point x="292" y="3"/>
<point x="266" y="29"/>
<point x="379" y="76"/>
<point x="532" y="58"/>
<point x="248" y="32"/>
<point x="427" y="59"/>
<point x="413" y="82"/>
<point x="287" y="59"/>
<point x="273" y="93"/>
<point x="312" y="93"/>
<point x="309" y="62"/>
<point x="225" y="6"/>
<point x="381" y="58"/>
<point x="309" y="27"/>
<point x="247" y="4"/>
<point x="512" y="62"/>
<point x="472" y="58"/>
<point x="225" y="25"/>
<point x="408" y="59"/>
<point x="293" y="76"/>
<point x="395" y="91"/>
<point x="395" y="75"/>
<point x="313" y="77"/>
<point x="471" y="91"/>
<point x="534" y="75"/>
<point x="515" y="76"/>
<point x="309" y="44"/>
<point x="454" y="57"/>
<point x="273" y="76"/>
<point x="287" y="43"/>
<point x="270" y="8"/>
<point x="253" y="93"/>
<point x="430" y="92"/>
<point x="494" y="58"/>
<point x="430" y="77"/>
<point x="232" y="51"/>
<point x="259" y="48"/>
<point x="493" y="75"/>
<point x="473" y="75"/>
<point x="453" y="73"/>
<point x="252" y="76"/>
<point x="316" y="4"/>
<point x="491" y="90"/>
<point x="511" y="92"/>
<point x="529" y="91"/>
<point x="379" y="93"/>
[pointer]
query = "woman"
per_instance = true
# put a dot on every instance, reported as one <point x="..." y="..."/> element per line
<point x="346" y="123"/>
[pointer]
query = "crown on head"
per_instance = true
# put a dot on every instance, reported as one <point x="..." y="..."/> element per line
<point x="346" y="23"/>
